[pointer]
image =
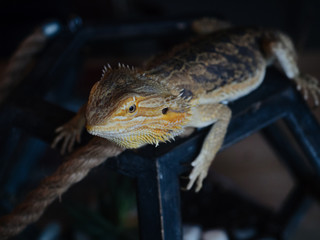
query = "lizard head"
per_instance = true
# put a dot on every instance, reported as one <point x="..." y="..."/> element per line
<point x="131" y="109"/>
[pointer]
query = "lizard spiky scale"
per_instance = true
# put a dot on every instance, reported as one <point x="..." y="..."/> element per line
<point x="189" y="86"/>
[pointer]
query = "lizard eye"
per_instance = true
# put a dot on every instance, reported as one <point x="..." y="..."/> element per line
<point x="132" y="108"/>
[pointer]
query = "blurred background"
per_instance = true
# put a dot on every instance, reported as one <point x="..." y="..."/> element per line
<point x="298" y="18"/>
<point x="103" y="205"/>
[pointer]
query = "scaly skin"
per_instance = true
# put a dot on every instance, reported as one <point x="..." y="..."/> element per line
<point x="189" y="87"/>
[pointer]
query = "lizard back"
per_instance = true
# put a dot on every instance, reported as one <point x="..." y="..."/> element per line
<point x="216" y="65"/>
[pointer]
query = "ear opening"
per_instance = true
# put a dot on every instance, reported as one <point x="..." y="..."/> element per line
<point x="165" y="110"/>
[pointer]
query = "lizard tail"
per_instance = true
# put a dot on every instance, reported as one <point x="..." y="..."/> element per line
<point x="70" y="172"/>
<point x="208" y="25"/>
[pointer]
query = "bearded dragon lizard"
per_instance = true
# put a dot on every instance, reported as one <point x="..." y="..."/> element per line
<point x="189" y="86"/>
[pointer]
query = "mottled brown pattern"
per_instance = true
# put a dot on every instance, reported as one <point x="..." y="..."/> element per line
<point x="207" y="63"/>
<point x="219" y="67"/>
<point x="198" y="78"/>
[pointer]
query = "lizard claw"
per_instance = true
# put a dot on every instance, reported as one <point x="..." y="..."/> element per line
<point x="308" y="85"/>
<point x="198" y="173"/>
<point x="68" y="133"/>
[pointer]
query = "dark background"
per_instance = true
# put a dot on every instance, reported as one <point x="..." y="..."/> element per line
<point x="301" y="19"/>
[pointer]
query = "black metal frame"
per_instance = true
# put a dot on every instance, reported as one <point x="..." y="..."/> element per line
<point x="157" y="170"/>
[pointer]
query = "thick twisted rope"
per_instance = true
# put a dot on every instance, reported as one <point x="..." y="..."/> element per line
<point x="23" y="59"/>
<point x="21" y="62"/>
<point x="72" y="171"/>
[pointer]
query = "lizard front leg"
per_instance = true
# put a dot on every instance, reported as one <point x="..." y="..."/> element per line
<point x="70" y="132"/>
<point x="204" y="115"/>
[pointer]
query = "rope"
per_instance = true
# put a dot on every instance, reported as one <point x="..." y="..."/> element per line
<point x="72" y="171"/>
<point x="23" y="59"/>
<point x="20" y="64"/>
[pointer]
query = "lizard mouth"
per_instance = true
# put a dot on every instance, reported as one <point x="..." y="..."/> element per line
<point x="136" y="138"/>
<point x="102" y="131"/>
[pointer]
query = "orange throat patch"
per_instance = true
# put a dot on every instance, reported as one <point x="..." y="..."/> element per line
<point x="142" y="130"/>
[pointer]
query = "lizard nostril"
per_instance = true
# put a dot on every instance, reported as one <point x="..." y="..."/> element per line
<point x="164" y="111"/>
